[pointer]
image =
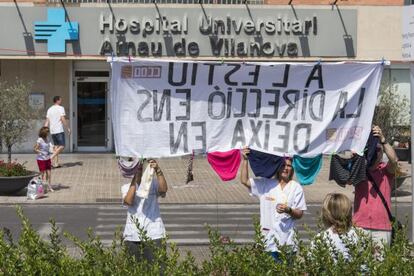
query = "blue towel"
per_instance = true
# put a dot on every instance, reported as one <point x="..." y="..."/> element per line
<point x="371" y="149"/>
<point x="307" y="169"/>
<point x="264" y="164"/>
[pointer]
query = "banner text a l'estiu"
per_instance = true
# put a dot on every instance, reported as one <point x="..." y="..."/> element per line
<point x="170" y="108"/>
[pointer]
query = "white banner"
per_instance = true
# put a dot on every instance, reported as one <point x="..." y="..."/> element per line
<point x="170" y="108"/>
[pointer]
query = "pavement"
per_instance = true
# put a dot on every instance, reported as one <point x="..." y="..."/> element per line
<point x="95" y="179"/>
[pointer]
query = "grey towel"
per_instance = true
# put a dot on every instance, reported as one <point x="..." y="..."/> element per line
<point x="348" y="171"/>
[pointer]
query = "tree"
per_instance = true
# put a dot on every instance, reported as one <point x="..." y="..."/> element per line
<point x="392" y="111"/>
<point x="16" y="114"/>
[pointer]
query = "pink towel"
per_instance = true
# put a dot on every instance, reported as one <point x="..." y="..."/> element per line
<point x="225" y="164"/>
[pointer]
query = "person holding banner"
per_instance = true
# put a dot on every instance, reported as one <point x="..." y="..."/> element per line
<point x="373" y="196"/>
<point x="144" y="220"/>
<point x="282" y="202"/>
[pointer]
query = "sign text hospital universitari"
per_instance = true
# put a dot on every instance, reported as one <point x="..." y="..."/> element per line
<point x="228" y="36"/>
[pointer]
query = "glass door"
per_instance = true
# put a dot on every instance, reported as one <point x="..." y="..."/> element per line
<point x="92" y="115"/>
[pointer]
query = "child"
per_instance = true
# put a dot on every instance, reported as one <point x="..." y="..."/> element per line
<point x="42" y="148"/>
<point x="337" y="217"/>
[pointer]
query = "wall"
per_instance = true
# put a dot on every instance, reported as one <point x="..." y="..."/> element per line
<point x="379" y="33"/>
<point x="378" y="37"/>
<point x="339" y="2"/>
<point x="50" y="77"/>
<point x="294" y="2"/>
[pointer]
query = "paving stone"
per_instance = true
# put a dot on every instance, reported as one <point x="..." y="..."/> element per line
<point x="95" y="178"/>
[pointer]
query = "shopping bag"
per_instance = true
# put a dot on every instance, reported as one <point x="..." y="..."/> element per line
<point x="35" y="189"/>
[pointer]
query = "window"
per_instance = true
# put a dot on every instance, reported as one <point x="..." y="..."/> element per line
<point x="91" y="73"/>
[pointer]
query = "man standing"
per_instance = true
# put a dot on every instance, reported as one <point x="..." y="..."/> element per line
<point x="369" y="210"/>
<point x="55" y="120"/>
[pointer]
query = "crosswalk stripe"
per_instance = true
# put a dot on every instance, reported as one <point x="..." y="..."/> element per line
<point x="203" y="225"/>
<point x="104" y="233"/>
<point x="185" y="206"/>
<point x="223" y="232"/>
<point x="221" y="213"/>
<point x="201" y="241"/>
<point x="254" y="206"/>
<point x="187" y="224"/>
<point x="46" y="229"/>
<point x="205" y="241"/>
<point x="195" y="218"/>
<point x="187" y="232"/>
<point x="107" y="242"/>
<point x="199" y="229"/>
<point x="189" y="206"/>
<point x="195" y="212"/>
<point x="183" y="225"/>
<point x="202" y="222"/>
<point x="103" y="226"/>
<point x="163" y="213"/>
<point x="102" y="230"/>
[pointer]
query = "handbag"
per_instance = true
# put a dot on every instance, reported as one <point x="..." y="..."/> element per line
<point x="395" y="224"/>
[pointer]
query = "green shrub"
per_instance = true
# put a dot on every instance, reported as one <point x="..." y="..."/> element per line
<point x="13" y="169"/>
<point x="30" y="255"/>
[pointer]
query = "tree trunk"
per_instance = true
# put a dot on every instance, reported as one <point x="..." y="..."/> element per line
<point x="9" y="151"/>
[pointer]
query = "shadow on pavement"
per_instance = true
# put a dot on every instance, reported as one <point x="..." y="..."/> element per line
<point x="398" y="193"/>
<point x="71" y="164"/>
<point x="22" y="192"/>
<point x="58" y="187"/>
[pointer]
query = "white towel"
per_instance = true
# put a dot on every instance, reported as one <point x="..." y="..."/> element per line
<point x="146" y="180"/>
<point x="128" y="167"/>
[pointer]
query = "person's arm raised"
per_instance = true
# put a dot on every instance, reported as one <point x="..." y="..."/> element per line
<point x="392" y="158"/>
<point x="244" y="175"/>
<point x="162" y="182"/>
<point x="388" y="150"/>
<point x="136" y="181"/>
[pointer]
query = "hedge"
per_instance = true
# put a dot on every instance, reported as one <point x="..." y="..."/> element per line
<point x="31" y="255"/>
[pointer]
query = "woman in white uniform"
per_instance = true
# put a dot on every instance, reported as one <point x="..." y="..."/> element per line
<point x="282" y="202"/>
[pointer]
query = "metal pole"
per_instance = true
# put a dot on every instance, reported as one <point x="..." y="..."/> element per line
<point x="412" y="147"/>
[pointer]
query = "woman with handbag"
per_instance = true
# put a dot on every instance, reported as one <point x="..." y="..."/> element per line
<point x="372" y="202"/>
